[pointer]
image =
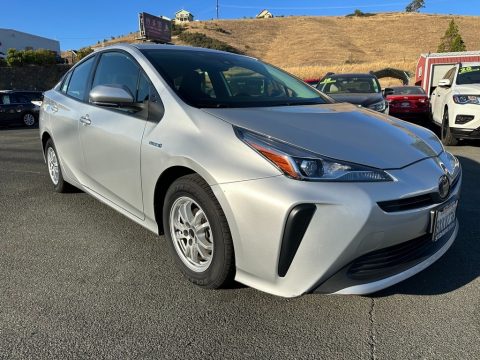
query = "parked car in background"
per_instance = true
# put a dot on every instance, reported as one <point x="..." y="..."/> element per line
<point x="16" y="107"/>
<point x="249" y="172"/>
<point x="408" y="102"/>
<point x="358" y="89"/>
<point x="312" y="81"/>
<point x="456" y="104"/>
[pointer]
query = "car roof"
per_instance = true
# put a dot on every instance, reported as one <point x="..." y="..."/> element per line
<point x="365" y="75"/>
<point x="19" y="91"/>
<point x="167" y="47"/>
<point x="404" y="86"/>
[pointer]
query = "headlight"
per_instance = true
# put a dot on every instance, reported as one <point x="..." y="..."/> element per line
<point x="378" y="106"/>
<point x="300" y="164"/>
<point x="466" y="99"/>
<point x="451" y="162"/>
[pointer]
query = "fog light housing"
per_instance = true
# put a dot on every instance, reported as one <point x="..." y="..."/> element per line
<point x="463" y="119"/>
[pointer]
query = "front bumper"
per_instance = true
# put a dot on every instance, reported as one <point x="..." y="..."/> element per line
<point x="465" y="121"/>
<point x="466" y="133"/>
<point x="347" y="223"/>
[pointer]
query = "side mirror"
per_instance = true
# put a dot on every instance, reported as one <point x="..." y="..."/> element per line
<point x="111" y="95"/>
<point x="445" y="83"/>
<point x="388" y="91"/>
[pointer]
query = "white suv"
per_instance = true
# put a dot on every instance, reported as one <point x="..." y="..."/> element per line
<point x="456" y="104"/>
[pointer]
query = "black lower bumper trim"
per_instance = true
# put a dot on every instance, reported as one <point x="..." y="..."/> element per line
<point x="465" y="133"/>
<point x="381" y="264"/>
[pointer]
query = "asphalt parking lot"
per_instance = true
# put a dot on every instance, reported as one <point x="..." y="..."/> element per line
<point x="78" y="280"/>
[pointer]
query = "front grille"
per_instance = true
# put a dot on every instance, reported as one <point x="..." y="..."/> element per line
<point x="391" y="260"/>
<point x="415" y="202"/>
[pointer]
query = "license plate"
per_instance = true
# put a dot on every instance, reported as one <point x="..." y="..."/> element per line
<point x="444" y="220"/>
<point x="405" y="104"/>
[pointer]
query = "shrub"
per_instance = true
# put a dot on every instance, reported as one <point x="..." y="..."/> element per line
<point x="202" y="40"/>
<point x="83" y="52"/>
<point x="3" y="62"/>
<point x="31" y="57"/>
<point x="360" y="13"/>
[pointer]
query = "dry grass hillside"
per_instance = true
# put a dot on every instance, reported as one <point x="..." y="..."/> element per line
<point x="312" y="46"/>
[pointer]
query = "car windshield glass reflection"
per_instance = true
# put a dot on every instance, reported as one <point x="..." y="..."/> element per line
<point x="468" y="75"/>
<point x="342" y="85"/>
<point x="408" y="90"/>
<point x="207" y="79"/>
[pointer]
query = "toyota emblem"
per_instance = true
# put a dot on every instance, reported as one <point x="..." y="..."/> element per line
<point x="443" y="187"/>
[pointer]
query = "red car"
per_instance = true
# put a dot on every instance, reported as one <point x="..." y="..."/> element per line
<point x="408" y="101"/>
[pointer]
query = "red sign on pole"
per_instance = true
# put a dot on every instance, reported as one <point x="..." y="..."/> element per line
<point x="155" y="28"/>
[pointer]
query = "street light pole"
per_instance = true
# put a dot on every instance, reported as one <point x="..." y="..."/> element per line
<point x="217" y="9"/>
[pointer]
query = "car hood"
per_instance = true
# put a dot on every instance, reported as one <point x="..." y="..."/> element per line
<point x="468" y="89"/>
<point x="339" y="131"/>
<point x="364" y="100"/>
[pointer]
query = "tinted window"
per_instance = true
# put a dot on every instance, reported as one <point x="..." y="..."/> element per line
<point x="116" y="68"/>
<point x="19" y="98"/>
<point x="211" y="79"/>
<point x="468" y="75"/>
<point x="79" y="78"/>
<point x="408" y="90"/>
<point x="349" y="84"/>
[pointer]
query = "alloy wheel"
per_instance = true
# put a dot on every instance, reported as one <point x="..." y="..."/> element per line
<point x="28" y="119"/>
<point x="53" y="168"/>
<point x="191" y="234"/>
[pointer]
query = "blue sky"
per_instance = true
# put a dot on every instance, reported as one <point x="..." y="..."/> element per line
<point x="79" y="23"/>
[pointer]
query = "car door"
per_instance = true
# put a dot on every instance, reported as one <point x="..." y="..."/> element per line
<point x="7" y="109"/>
<point x="438" y="99"/>
<point x="65" y="107"/>
<point x="111" y="136"/>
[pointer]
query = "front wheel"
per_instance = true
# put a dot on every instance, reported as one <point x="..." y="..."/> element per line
<point x="197" y="233"/>
<point x="447" y="137"/>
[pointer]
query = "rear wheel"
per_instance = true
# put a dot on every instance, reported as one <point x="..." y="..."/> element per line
<point x="197" y="233"/>
<point x="28" y="119"/>
<point x="54" y="169"/>
<point x="447" y="137"/>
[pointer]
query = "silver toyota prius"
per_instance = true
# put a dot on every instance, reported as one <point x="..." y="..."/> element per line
<point x="251" y="174"/>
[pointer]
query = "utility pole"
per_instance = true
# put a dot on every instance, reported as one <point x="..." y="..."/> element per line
<point x="217" y="9"/>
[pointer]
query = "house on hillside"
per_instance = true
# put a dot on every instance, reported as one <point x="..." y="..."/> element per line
<point x="264" y="14"/>
<point x="183" y="17"/>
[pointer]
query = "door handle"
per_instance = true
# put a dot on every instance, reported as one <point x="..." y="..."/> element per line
<point x="85" y="120"/>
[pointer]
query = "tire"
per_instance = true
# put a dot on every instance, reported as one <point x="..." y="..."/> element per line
<point x="54" y="169"/>
<point x="446" y="135"/>
<point x="28" y="119"/>
<point x="197" y="233"/>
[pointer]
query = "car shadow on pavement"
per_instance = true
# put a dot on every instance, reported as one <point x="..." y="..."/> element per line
<point x="461" y="264"/>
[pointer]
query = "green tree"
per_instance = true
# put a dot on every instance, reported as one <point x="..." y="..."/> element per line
<point x="415" y="6"/>
<point x="83" y="52"/>
<point x="452" y="40"/>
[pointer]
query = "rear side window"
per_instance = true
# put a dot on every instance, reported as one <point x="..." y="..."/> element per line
<point x="115" y="68"/>
<point x="78" y="81"/>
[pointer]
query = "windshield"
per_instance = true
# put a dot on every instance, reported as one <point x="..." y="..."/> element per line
<point x="349" y="84"/>
<point x="408" y="90"/>
<point x="211" y="79"/>
<point x="468" y="75"/>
